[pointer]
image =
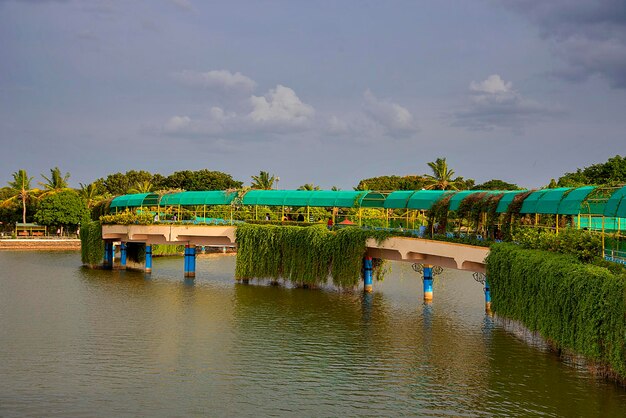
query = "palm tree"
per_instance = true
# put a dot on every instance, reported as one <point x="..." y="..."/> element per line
<point x="90" y="194"/>
<point x="442" y="176"/>
<point x="142" y="187"/>
<point x="264" y="181"/>
<point x="335" y="189"/>
<point x="309" y="186"/>
<point x="56" y="182"/>
<point x="20" y="190"/>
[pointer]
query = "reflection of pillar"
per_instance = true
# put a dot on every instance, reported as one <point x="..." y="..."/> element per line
<point x="487" y="296"/>
<point x="108" y="255"/>
<point x="428" y="283"/>
<point x="190" y="261"/>
<point x="123" y="255"/>
<point x="367" y="274"/>
<point x="148" y="259"/>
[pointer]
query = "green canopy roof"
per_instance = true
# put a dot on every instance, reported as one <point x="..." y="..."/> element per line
<point x="548" y="202"/>
<point x="616" y="206"/>
<point x="135" y="200"/>
<point x="317" y="198"/>
<point x="530" y="203"/>
<point x="570" y="204"/>
<point x="425" y="199"/>
<point x="398" y="199"/>
<point x="455" y="201"/>
<point x="506" y="199"/>
<point x="213" y="197"/>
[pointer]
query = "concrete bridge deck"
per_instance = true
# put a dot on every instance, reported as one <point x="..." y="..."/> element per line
<point x="415" y="250"/>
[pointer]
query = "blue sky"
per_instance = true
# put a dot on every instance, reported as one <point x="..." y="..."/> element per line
<point x="314" y="92"/>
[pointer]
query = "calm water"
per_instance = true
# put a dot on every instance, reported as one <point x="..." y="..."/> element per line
<point x="77" y="342"/>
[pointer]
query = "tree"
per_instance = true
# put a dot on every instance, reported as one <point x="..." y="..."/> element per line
<point x="441" y="179"/>
<point x="200" y="180"/>
<point x="496" y="184"/>
<point x="91" y="194"/>
<point x="611" y="172"/>
<point x="309" y="187"/>
<point x="142" y="187"/>
<point x="56" y="182"/>
<point x="388" y="183"/>
<point x="62" y="209"/>
<point x="120" y="183"/>
<point x="264" y="181"/>
<point x="20" y="190"/>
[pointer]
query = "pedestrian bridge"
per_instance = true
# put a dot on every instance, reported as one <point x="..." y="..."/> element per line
<point x="415" y="250"/>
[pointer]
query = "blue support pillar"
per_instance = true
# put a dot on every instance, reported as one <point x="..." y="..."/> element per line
<point x="428" y="283"/>
<point x="367" y="274"/>
<point x="123" y="255"/>
<point x="190" y="261"/>
<point x="487" y="296"/>
<point x="148" y="259"/>
<point x="108" y="255"/>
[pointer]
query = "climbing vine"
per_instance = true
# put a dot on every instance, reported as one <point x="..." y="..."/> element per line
<point x="578" y="307"/>
<point x="302" y="255"/>
<point x="91" y="244"/>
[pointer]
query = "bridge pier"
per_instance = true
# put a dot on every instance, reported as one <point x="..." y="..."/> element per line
<point x="122" y="256"/>
<point x="428" y="283"/>
<point x="367" y="274"/>
<point x="108" y="255"/>
<point x="487" y="297"/>
<point x="190" y="261"/>
<point x="148" y="268"/>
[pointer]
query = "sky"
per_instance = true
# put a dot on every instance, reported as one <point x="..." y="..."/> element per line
<point x="323" y="92"/>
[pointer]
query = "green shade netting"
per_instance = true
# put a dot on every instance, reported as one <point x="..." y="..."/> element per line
<point x="213" y="197"/>
<point x="548" y="202"/>
<point x="505" y="201"/>
<point x="615" y="205"/>
<point x="135" y="200"/>
<point x="425" y="199"/>
<point x="398" y="199"/>
<point x="570" y="205"/>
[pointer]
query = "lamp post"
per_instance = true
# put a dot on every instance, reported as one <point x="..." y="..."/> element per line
<point x="277" y="180"/>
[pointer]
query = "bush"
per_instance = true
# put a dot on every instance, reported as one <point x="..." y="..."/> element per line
<point x="578" y="307"/>
<point x="128" y="218"/>
<point x="91" y="244"/>
<point x="585" y="245"/>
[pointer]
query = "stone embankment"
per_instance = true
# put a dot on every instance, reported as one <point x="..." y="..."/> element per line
<point x="40" y="244"/>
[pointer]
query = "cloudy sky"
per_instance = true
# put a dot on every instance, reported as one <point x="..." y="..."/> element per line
<point x="324" y="92"/>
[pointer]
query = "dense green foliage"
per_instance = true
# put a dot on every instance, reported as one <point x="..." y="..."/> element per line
<point x="496" y="184"/>
<point x="65" y="208"/>
<point x="127" y="218"/>
<point x="264" y="181"/>
<point x="584" y="245"/>
<point x="167" y="249"/>
<point x="387" y="183"/>
<point x="611" y="172"/>
<point x="578" y="307"/>
<point x="302" y="255"/>
<point x="91" y="244"/>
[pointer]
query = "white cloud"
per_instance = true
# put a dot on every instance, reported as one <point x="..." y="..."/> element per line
<point x="493" y="84"/>
<point x="393" y="118"/>
<point x="177" y="124"/>
<point x="220" y="79"/>
<point x="280" y="106"/>
<point x="494" y="104"/>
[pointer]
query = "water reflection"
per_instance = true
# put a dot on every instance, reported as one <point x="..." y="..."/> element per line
<point x="77" y="341"/>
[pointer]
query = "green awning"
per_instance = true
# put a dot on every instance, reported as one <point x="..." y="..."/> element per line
<point x="548" y="203"/>
<point x="530" y="203"/>
<point x="425" y="199"/>
<point x="398" y="199"/>
<point x="196" y="198"/>
<point x="319" y="198"/>
<point x="506" y="199"/>
<point x="135" y="200"/>
<point x="570" y="204"/>
<point x="612" y="206"/>
<point x="455" y="201"/>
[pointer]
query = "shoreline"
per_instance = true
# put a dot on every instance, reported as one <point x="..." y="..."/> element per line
<point x="26" y="244"/>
